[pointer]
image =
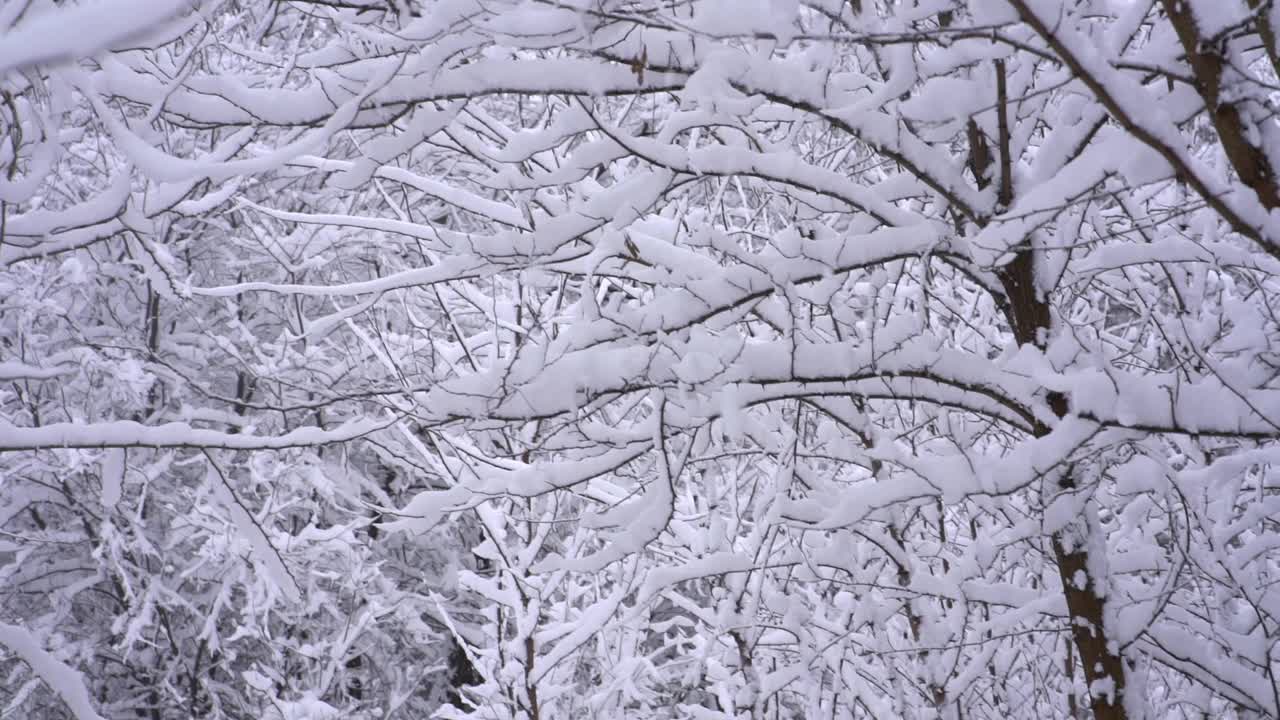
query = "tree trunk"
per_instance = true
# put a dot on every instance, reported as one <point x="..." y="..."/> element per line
<point x="1030" y="317"/>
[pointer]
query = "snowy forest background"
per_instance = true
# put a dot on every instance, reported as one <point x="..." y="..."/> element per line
<point x="699" y="359"/>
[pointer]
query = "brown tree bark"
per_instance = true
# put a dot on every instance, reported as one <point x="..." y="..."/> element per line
<point x="1031" y="321"/>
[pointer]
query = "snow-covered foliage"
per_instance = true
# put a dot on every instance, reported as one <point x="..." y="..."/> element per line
<point x="543" y="359"/>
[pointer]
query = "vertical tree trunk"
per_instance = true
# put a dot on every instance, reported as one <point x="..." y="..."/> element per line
<point x="1103" y="667"/>
<point x="1031" y="321"/>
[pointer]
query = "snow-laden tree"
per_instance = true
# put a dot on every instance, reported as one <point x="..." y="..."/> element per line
<point x="180" y="580"/>
<point x="623" y="358"/>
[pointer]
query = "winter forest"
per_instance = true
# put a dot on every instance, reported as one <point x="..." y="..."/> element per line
<point x="631" y="359"/>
